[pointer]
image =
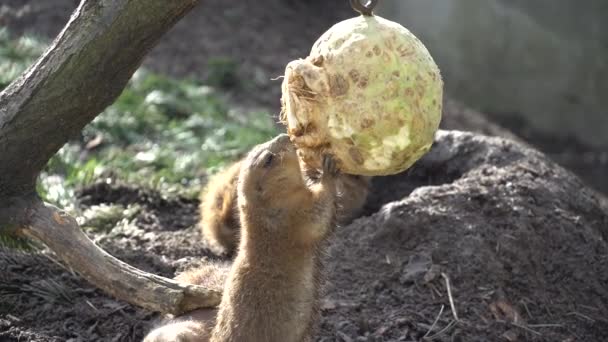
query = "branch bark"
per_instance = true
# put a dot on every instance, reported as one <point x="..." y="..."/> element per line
<point x="82" y="72"/>
<point x="60" y="232"/>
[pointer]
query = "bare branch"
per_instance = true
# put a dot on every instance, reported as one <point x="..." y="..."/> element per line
<point x="449" y="289"/>
<point x="61" y="233"/>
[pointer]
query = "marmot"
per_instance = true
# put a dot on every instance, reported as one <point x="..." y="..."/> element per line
<point x="195" y="326"/>
<point x="272" y="289"/>
<point x="219" y="219"/>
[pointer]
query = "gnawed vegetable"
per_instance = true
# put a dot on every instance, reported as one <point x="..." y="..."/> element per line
<point x="369" y="93"/>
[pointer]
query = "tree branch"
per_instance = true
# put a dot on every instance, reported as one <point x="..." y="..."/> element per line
<point x="81" y="73"/>
<point x="61" y="233"/>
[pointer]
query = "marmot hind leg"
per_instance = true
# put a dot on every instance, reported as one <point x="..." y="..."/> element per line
<point x="194" y="326"/>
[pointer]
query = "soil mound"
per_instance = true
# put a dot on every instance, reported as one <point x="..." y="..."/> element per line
<point x="521" y="240"/>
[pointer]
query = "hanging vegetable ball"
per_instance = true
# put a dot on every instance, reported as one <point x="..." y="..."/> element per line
<point x="369" y="93"/>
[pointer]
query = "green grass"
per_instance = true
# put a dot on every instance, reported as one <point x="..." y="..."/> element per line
<point x="164" y="134"/>
<point x="16" y="55"/>
<point x="222" y="72"/>
<point x="161" y="133"/>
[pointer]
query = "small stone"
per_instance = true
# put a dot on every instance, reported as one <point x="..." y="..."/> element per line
<point x="416" y="268"/>
<point x="432" y="274"/>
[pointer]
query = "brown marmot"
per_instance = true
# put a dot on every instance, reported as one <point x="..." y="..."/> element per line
<point x="219" y="219"/>
<point x="272" y="289"/>
<point x="195" y="326"/>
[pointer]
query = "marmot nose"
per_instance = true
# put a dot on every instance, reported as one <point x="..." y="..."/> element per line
<point x="282" y="138"/>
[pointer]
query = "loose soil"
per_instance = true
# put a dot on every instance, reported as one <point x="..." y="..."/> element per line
<point x="521" y="241"/>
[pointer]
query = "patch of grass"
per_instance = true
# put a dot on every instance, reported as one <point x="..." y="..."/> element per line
<point x="16" y="55"/>
<point x="161" y="133"/>
<point x="16" y="242"/>
<point x="222" y="72"/>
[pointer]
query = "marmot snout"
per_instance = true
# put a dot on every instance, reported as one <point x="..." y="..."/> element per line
<point x="219" y="215"/>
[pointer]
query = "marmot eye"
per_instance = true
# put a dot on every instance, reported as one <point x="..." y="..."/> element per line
<point x="268" y="160"/>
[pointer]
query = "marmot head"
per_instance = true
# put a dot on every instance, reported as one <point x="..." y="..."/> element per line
<point x="270" y="172"/>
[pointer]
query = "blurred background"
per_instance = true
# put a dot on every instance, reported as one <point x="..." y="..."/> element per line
<point x="530" y="70"/>
<point x="538" y="68"/>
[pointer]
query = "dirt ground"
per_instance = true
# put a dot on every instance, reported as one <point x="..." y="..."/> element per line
<point x="521" y="240"/>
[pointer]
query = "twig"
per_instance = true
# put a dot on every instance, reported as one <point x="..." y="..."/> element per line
<point x="553" y="325"/>
<point x="13" y="318"/>
<point x="578" y="314"/>
<point x="526" y="328"/>
<point x="92" y="306"/>
<point x="449" y="288"/>
<point x="527" y="310"/>
<point x="435" y="322"/>
<point x="442" y="331"/>
<point x="53" y="260"/>
<point x="434" y="290"/>
<point x="592" y="308"/>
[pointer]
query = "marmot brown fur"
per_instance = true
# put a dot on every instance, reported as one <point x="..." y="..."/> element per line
<point x="219" y="219"/>
<point x="272" y="289"/>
